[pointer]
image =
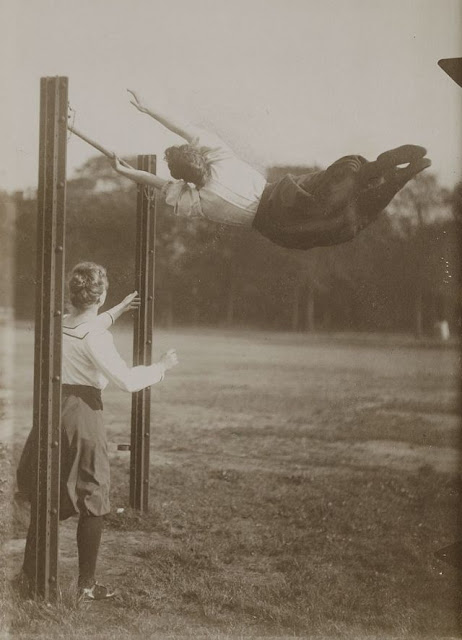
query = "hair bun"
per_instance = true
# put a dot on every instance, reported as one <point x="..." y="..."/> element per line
<point x="87" y="282"/>
<point x="78" y="281"/>
<point x="189" y="163"/>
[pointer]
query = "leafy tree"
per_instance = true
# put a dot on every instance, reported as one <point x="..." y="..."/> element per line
<point x="419" y="209"/>
<point x="217" y="275"/>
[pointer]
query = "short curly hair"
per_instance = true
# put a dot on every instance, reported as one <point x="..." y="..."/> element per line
<point x="187" y="162"/>
<point x="87" y="283"/>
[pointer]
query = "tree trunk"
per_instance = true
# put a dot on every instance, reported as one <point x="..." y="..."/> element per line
<point x="169" y="311"/>
<point x="296" y="309"/>
<point x="195" y="307"/>
<point x="230" y="296"/>
<point x="310" y="320"/>
<point x="418" y="313"/>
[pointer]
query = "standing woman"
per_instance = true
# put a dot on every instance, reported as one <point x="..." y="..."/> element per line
<point x="89" y="361"/>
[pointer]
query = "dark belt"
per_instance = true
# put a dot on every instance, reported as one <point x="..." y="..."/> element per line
<point x="90" y="395"/>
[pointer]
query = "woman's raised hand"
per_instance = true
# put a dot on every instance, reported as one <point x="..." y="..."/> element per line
<point x="131" y="302"/>
<point x="118" y="164"/>
<point x="137" y="101"/>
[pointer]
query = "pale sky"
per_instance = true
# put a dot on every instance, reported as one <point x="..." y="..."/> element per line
<point x="282" y="81"/>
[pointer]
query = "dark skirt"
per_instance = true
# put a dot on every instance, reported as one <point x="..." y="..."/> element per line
<point x="314" y="209"/>
<point x="85" y="478"/>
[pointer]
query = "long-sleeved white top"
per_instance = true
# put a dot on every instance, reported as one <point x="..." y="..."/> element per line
<point x="230" y="196"/>
<point x="90" y="358"/>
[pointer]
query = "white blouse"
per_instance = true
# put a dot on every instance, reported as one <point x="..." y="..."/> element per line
<point x="90" y="358"/>
<point x="230" y="196"/>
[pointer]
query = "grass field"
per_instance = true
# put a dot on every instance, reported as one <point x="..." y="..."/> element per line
<point x="299" y="487"/>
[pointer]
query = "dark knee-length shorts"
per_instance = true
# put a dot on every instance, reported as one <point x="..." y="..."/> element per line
<point x="300" y="212"/>
<point x="84" y="476"/>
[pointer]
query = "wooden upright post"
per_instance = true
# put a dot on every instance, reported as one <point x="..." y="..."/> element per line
<point x="142" y="341"/>
<point x="51" y="199"/>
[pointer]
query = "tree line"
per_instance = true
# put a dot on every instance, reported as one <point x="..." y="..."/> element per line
<point x="400" y="274"/>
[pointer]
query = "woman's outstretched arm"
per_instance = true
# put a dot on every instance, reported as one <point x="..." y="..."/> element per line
<point x="137" y="175"/>
<point x="173" y="122"/>
<point x="132" y="302"/>
<point x="102" y="352"/>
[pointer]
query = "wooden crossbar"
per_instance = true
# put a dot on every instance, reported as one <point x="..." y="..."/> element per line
<point x="94" y="144"/>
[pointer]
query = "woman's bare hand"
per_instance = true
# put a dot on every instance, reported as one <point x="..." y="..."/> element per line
<point x="169" y="359"/>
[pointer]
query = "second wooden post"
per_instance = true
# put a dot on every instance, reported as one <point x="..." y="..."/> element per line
<point x="142" y="340"/>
